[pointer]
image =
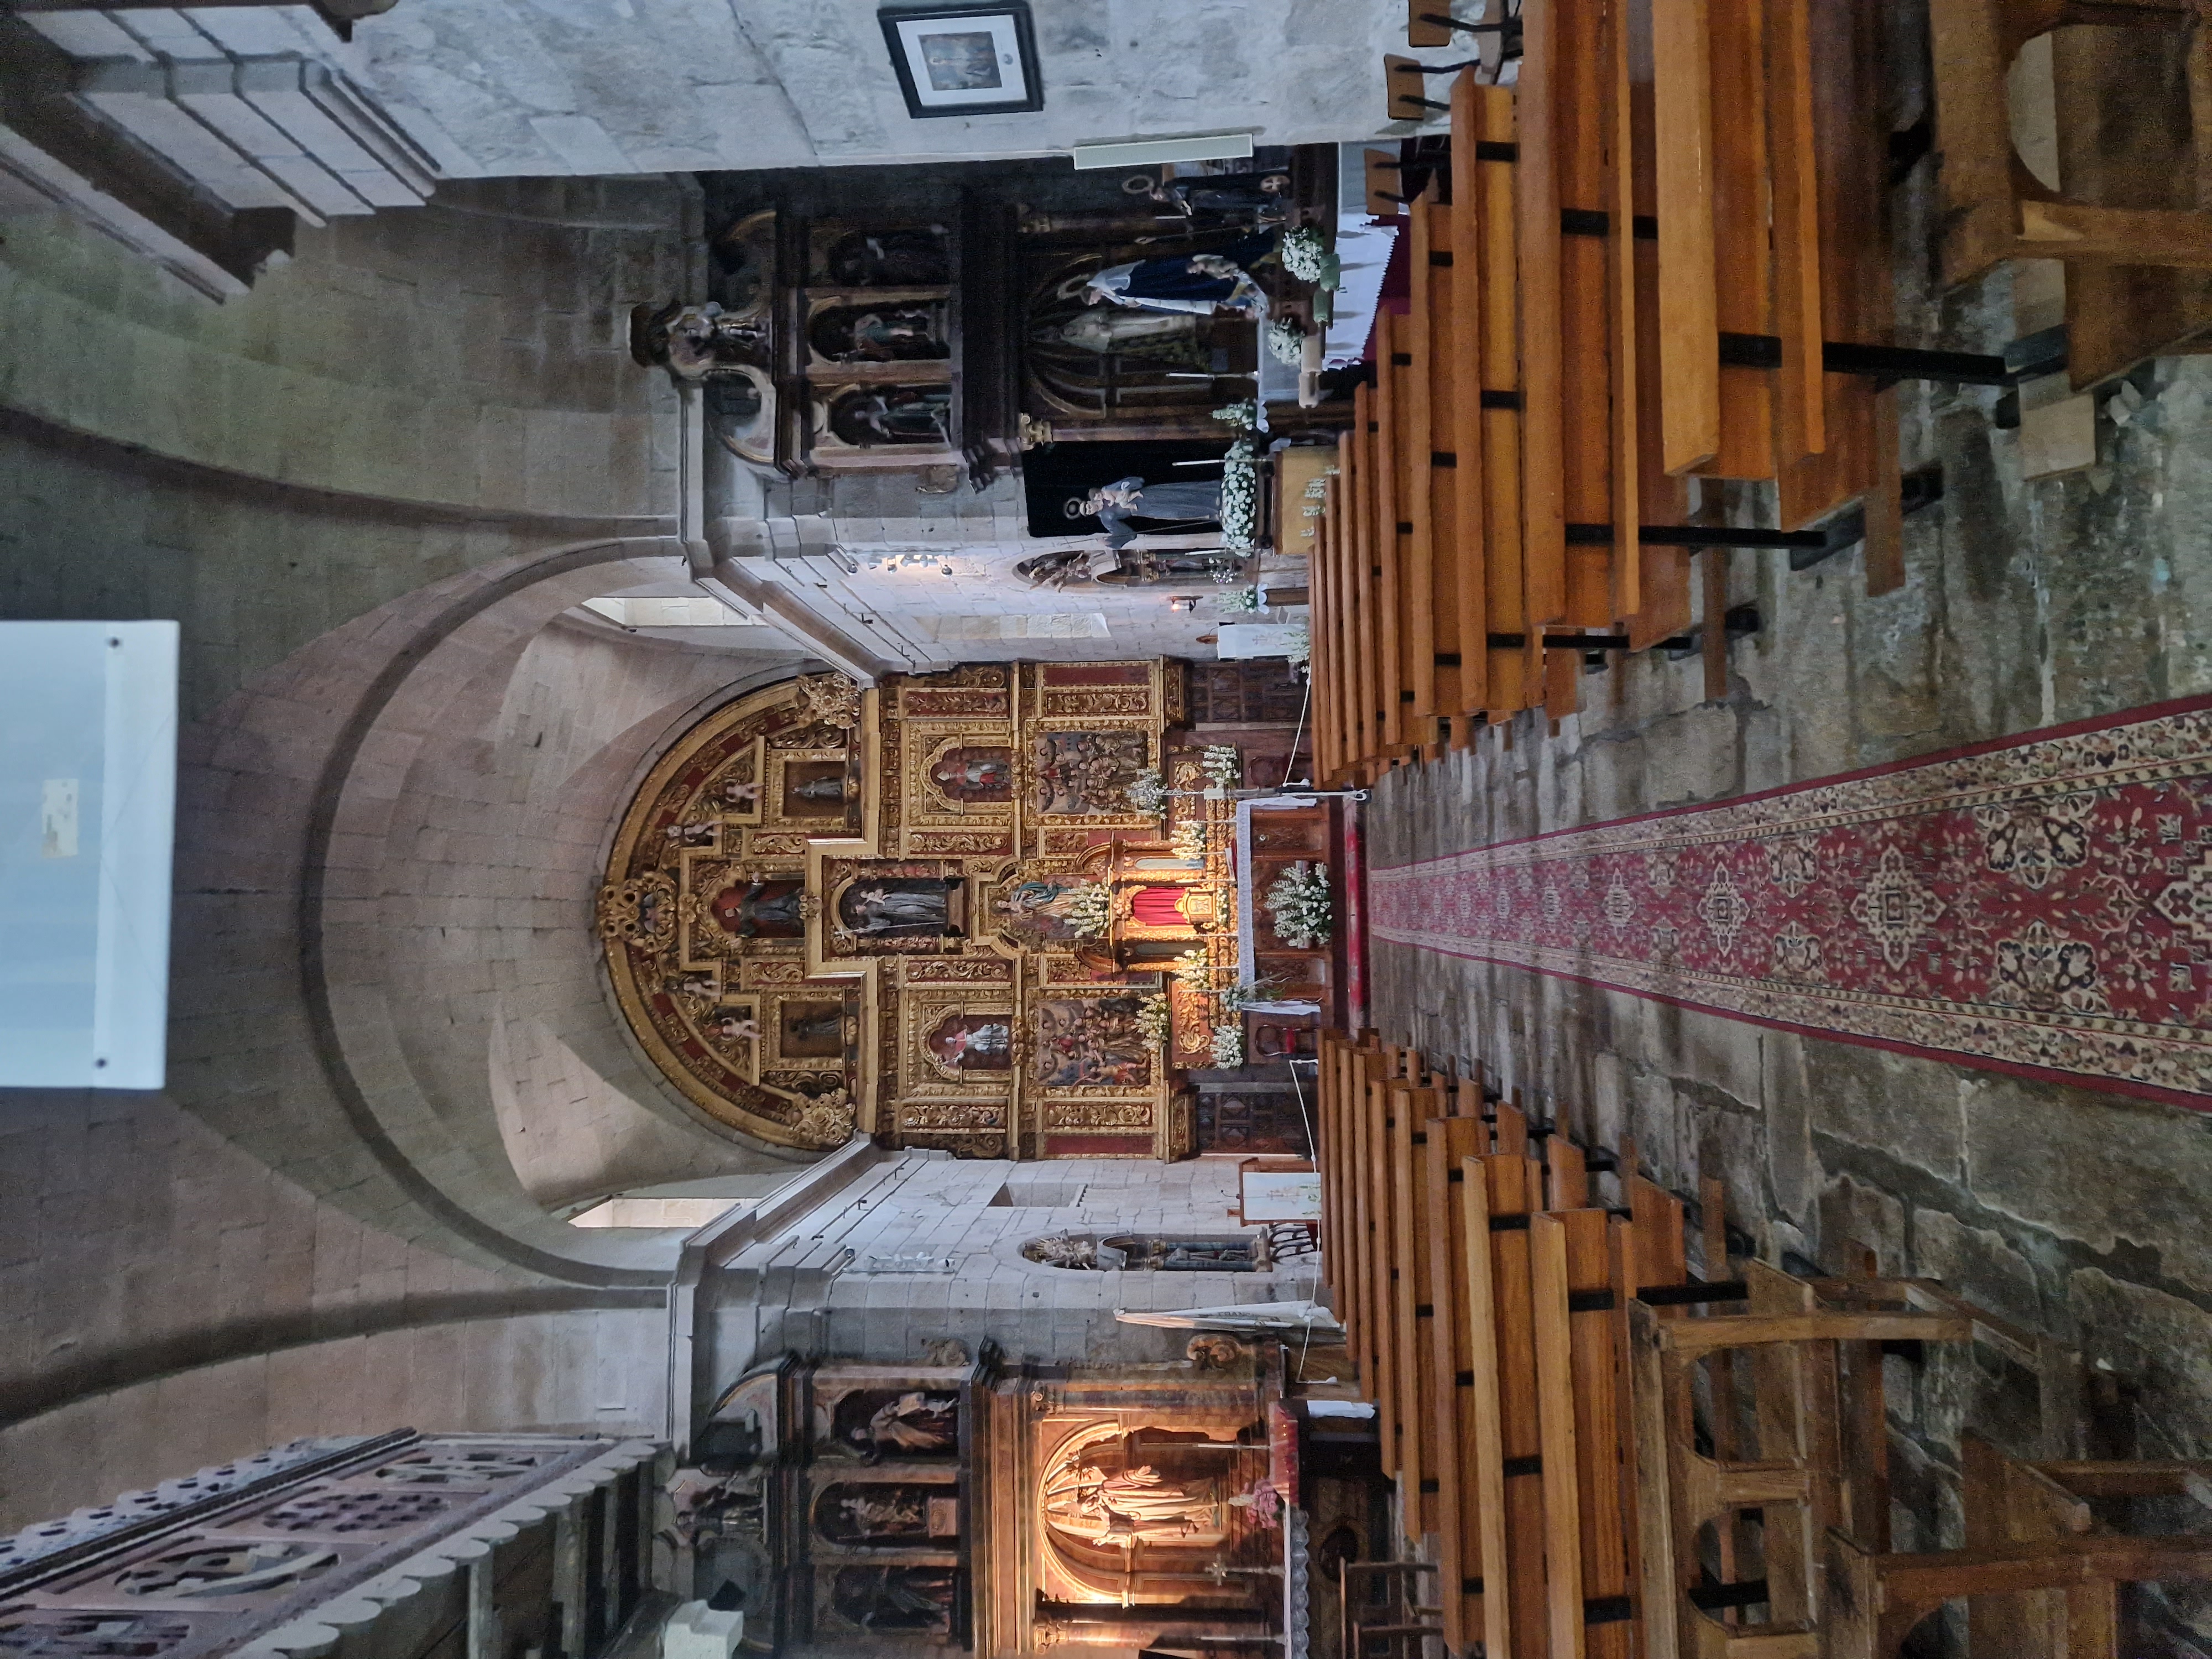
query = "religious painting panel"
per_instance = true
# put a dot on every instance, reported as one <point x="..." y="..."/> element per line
<point x="746" y="907"/>
<point x="842" y="255"/>
<point x="1274" y="1124"/>
<point x="1086" y="774"/>
<point x="876" y="416"/>
<point x="1187" y="1494"/>
<point x="886" y="1514"/>
<point x="964" y="1044"/>
<point x="1092" y="1043"/>
<point x="963" y="774"/>
<point x="1166" y="910"/>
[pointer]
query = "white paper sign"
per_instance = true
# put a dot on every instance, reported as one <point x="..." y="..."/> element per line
<point x="1282" y="1196"/>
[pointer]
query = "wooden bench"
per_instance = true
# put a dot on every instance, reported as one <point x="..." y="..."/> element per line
<point x="1798" y="1482"/>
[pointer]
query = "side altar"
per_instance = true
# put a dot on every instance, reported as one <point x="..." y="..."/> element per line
<point x="996" y="1507"/>
<point x="985" y="911"/>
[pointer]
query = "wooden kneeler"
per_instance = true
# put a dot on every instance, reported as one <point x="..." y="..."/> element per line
<point x="1679" y="1489"/>
<point x="1993" y="207"/>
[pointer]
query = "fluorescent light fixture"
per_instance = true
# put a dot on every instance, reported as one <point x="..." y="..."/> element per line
<point x="1155" y="152"/>
<point x="87" y="822"/>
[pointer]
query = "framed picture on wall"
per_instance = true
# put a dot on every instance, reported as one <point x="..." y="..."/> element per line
<point x="965" y="60"/>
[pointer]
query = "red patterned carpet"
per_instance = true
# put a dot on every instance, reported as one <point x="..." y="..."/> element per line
<point x="2040" y="905"/>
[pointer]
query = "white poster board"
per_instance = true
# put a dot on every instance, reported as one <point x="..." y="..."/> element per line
<point x="1282" y="1196"/>
<point x="87" y="805"/>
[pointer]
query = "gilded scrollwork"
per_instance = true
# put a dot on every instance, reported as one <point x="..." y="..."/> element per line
<point x="640" y="911"/>
<point x="832" y="699"/>
<point x="1098" y="1115"/>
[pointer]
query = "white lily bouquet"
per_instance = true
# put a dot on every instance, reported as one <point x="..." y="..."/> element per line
<point x="1298" y="905"/>
<point x="1153" y="1024"/>
<point x="1306" y="257"/>
<point x="1089" y="910"/>
<point x="1147" y="791"/>
<point x="1240" y="498"/>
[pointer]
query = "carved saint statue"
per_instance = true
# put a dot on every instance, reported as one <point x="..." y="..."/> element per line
<point x="898" y="1515"/>
<point x="1139" y="1505"/>
<point x="915" y="1422"/>
<point x="899" y="908"/>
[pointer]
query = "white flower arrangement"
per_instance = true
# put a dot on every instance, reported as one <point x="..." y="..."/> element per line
<point x="1195" y="969"/>
<point x="1298" y="645"/>
<point x="1089" y="910"/>
<point x="1240" y="498"/>
<point x="1190" y="839"/>
<point x="1238" y="998"/>
<point x="1242" y="417"/>
<point x="1304" y="253"/>
<point x="1153" y="1023"/>
<point x="1243" y="598"/>
<point x="1228" y="1046"/>
<point x="1221" y="765"/>
<point x="1298" y="905"/>
<point x="1287" y="341"/>
<point x="1147" y="791"/>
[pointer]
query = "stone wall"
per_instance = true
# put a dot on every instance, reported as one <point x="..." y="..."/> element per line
<point x="370" y="491"/>
<point x="702" y="85"/>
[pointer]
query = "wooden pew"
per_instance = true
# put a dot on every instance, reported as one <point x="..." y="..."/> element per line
<point x="1382" y="1333"/>
<point x="1579" y="435"/>
<point x="1880" y="1597"/>
<point x="1434" y="650"/>
<point x="2006" y="1501"/>
<point x="1401" y="423"/>
<point x="1334" y="1132"/>
<point x="1487" y="401"/>
<point x="1415" y="1107"/>
<point x="1321" y="670"/>
<point x="1588" y="1588"/>
<point x="1369" y="553"/>
<point x="1506" y="1187"/>
<point x="1452" y="1142"/>
<point x="1857" y="295"/>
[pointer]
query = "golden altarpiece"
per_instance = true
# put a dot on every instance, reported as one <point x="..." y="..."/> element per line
<point x="931" y="911"/>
